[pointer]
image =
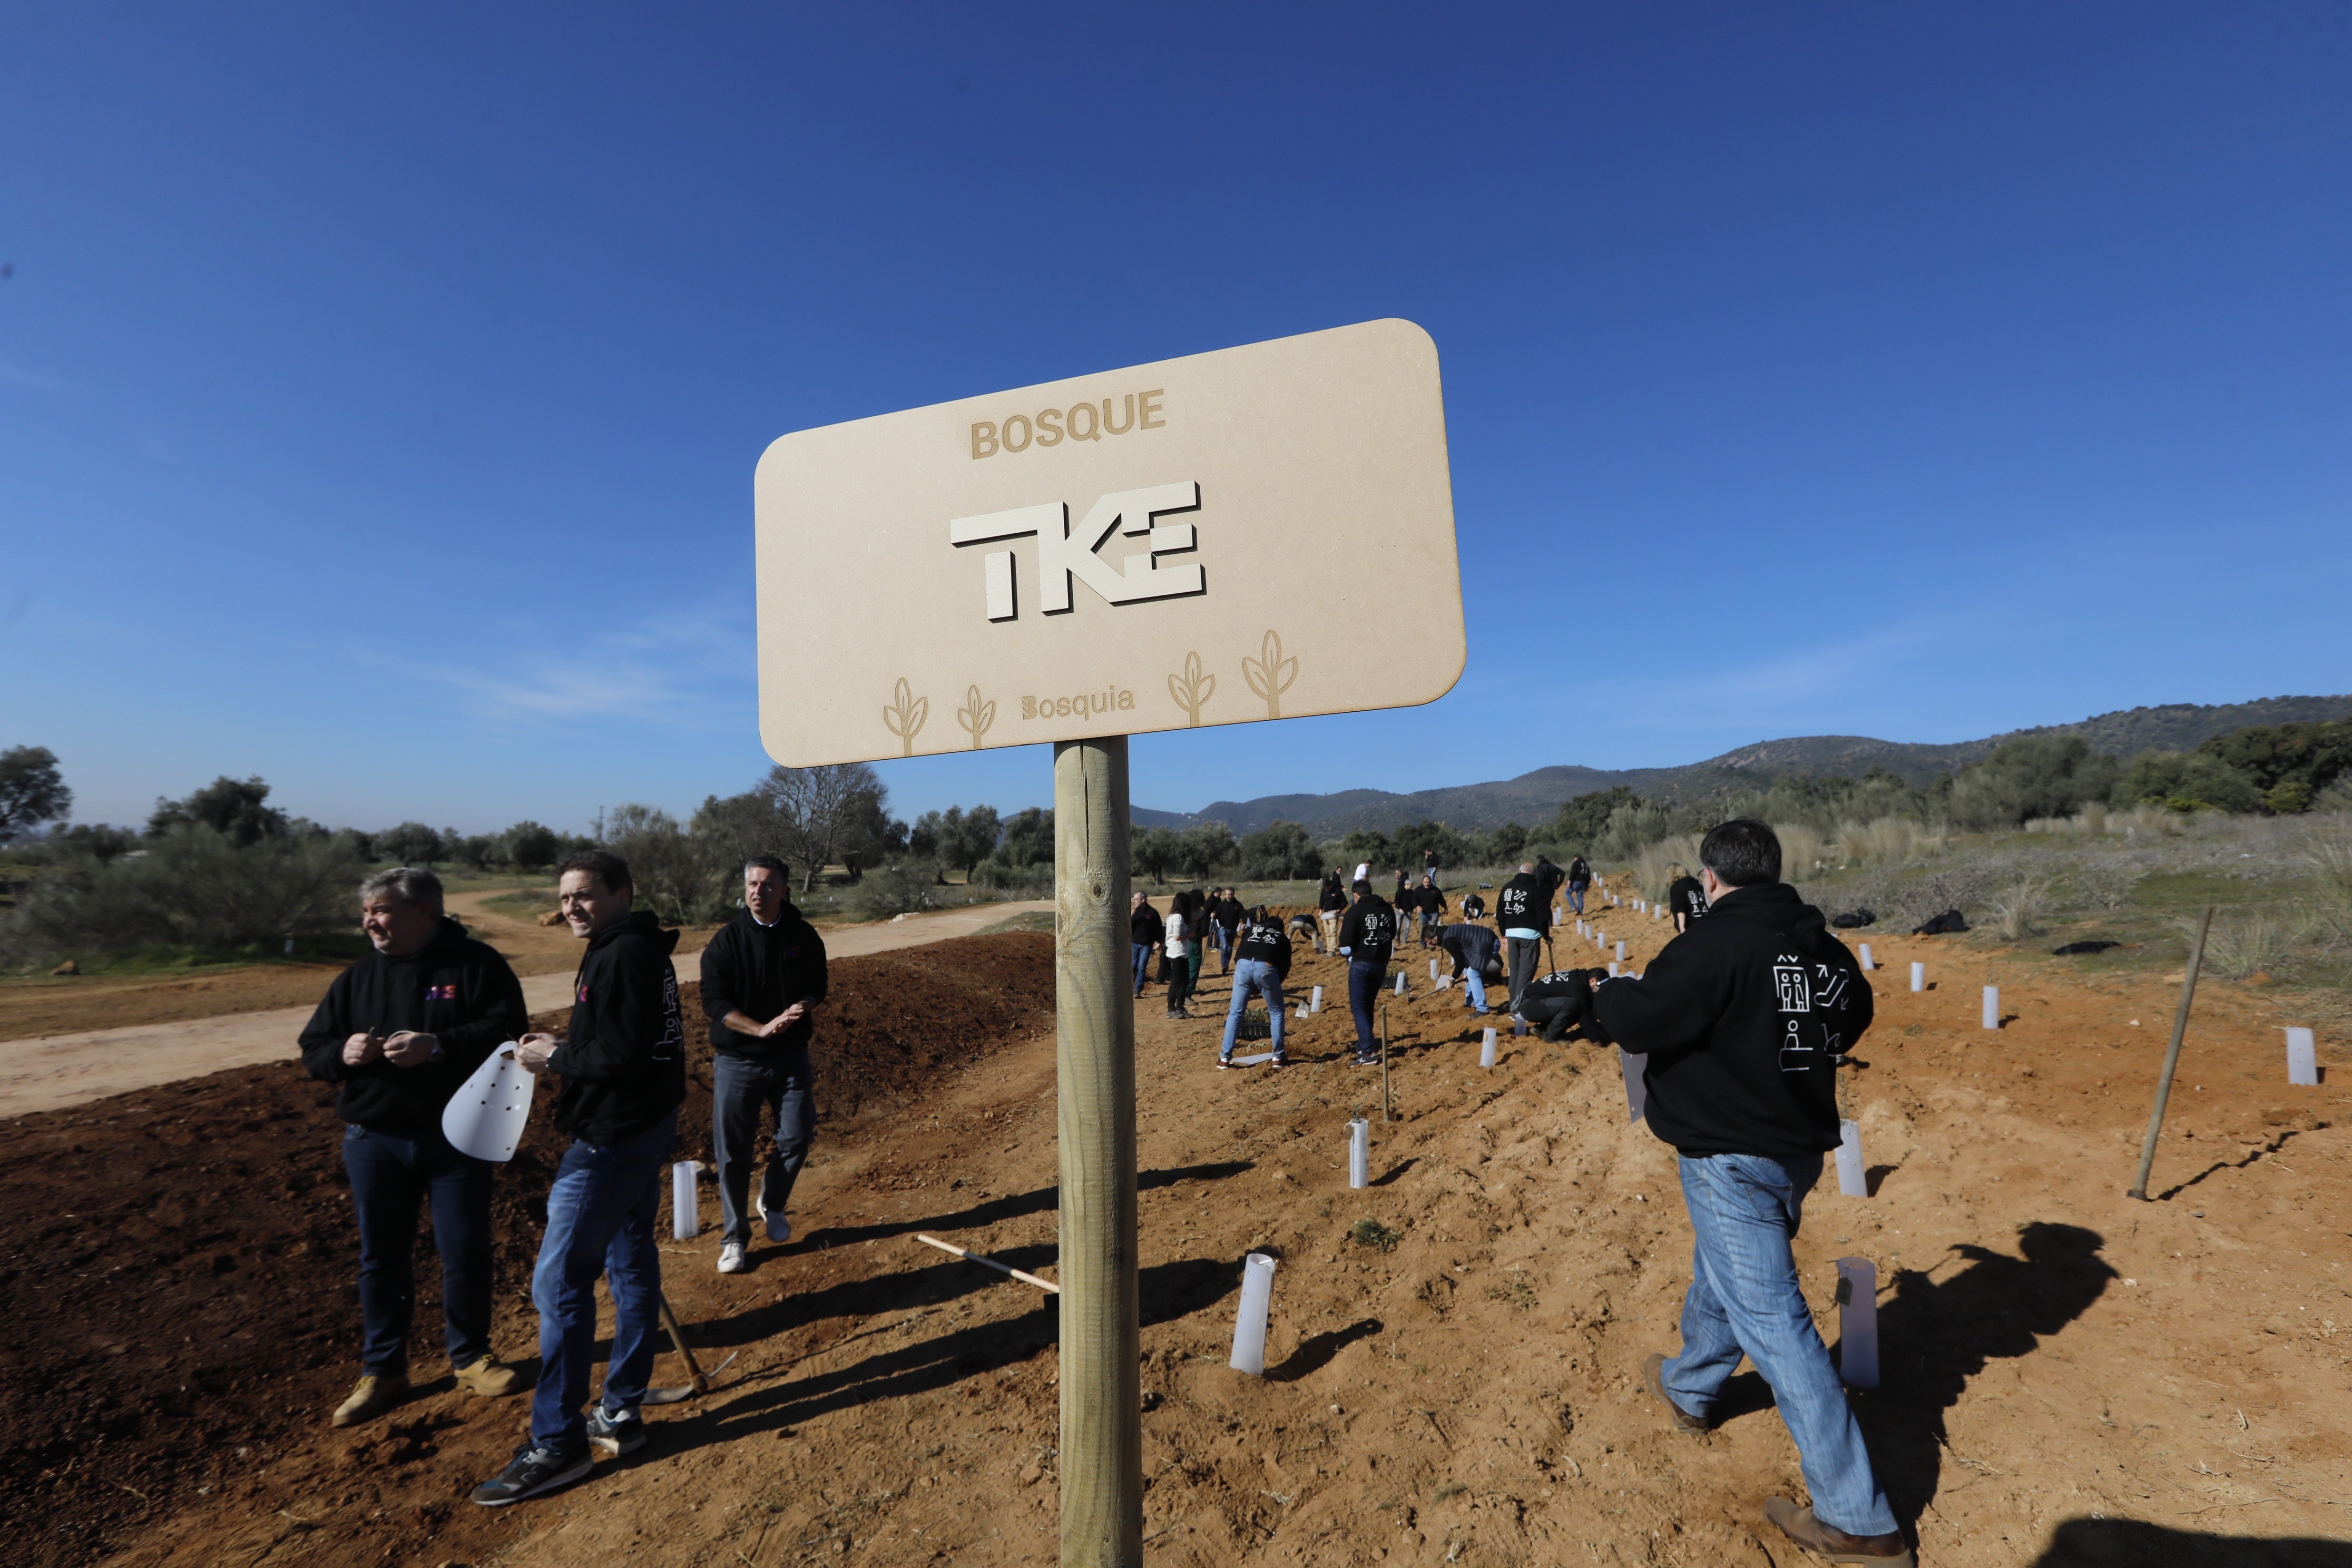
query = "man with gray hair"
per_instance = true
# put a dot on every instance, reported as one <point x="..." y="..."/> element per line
<point x="399" y="1031"/>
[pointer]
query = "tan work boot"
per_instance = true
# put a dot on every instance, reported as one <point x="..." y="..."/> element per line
<point x="489" y="1377"/>
<point x="371" y="1397"/>
<point x="1800" y="1526"/>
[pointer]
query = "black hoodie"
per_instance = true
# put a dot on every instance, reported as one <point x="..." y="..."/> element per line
<point x="1743" y="1016"/>
<point x="758" y="970"/>
<point x="1268" y="942"/>
<point x="1368" y="931"/>
<point x="454" y="988"/>
<point x="624" y="1059"/>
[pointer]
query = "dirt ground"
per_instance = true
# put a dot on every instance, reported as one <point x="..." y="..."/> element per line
<point x="2070" y="1376"/>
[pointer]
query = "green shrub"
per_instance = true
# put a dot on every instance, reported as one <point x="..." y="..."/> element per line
<point x="194" y="887"/>
<point x="1371" y="1233"/>
<point x="2185" y="781"/>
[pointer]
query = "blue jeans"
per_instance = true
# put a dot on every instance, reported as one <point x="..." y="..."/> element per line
<point x="1256" y="977"/>
<point x="1475" y="983"/>
<point x="1576" y="897"/>
<point x="1364" y="982"/>
<point x="600" y="1222"/>
<point x="740" y="1090"/>
<point x="1744" y="1297"/>
<point x="392" y="1177"/>
<point x="1142" y="964"/>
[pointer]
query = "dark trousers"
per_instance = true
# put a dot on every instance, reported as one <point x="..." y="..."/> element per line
<point x="1364" y="983"/>
<point x="1526" y="959"/>
<point x="391" y="1178"/>
<point x="1178" y="972"/>
<point x="1142" y="965"/>
<point x="739" y="1090"/>
<point x="600" y="1224"/>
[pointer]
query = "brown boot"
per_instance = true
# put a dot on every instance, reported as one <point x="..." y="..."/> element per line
<point x="371" y="1397"/>
<point x="1800" y="1525"/>
<point x="1654" y="1374"/>
<point x="489" y="1377"/>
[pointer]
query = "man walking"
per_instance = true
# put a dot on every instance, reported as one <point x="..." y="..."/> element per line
<point x="1330" y="904"/>
<point x="1478" y="955"/>
<point x="1524" y="913"/>
<point x="1262" y="965"/>
<point x="399" y="1031"/>
<point x="1366" y="937"/>
<point x="763" y="978"/>
<point x="1579" y="877"/>
<point x="1743" y="1018"/>
<point x="1430" y="902"/>
<point x="622" y="1062"/>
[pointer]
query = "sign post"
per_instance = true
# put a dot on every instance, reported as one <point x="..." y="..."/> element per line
<point x="951" y="560"/>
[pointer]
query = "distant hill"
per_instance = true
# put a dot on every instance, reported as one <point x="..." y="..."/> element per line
<point x="1532" y="797"/>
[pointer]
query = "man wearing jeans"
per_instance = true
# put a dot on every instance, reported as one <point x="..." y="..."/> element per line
<point x="622" y="1062"/>
<point x="1523" y="910"/>
<point x="763" y="978"/>
<point x="1144" y="934"/>
<point x="1477" y="954"/>
<point x="1366" y="937"/>
<point x="398" y="1033"/>
<point x="1743" y="1017"/>
<point x="1264" y="965"/>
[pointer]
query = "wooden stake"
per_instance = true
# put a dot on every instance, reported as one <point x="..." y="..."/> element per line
<point x="987" y="1262"/>
<point x="2171" y="1054"/>
<point x="693" y="1367"/>
<point x="1387" y="1106"/>
<point x="1101" y="1378"/>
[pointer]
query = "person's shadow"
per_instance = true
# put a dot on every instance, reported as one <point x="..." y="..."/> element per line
<point x="1934" y="1337"/>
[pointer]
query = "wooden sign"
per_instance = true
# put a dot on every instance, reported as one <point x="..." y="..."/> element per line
<point x="1261" y="532"/>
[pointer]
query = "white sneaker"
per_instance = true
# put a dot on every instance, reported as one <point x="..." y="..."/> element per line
<point x="730" y="1259"/>
<point x="779" y="1227"/>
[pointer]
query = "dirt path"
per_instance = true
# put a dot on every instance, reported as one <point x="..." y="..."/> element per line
<point x="47" y="1072"/>
<point x="2072" y="1377"/>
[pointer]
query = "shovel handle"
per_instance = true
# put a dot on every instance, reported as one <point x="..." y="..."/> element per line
<point x="693" y="1367"/>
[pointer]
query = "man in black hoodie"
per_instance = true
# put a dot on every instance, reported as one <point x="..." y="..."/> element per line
<point x="1523" y="913"/>
<point x="1368" y="937"/>
<point x="623" y="1063"/>
<point x="398" y="1033"/>
<point x="763" y="978"/>
<point x="1743" y="1018"/>
<point x="1265" y="964"/>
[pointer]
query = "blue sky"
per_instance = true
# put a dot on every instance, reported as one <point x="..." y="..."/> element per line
<point x="380" y="388"/>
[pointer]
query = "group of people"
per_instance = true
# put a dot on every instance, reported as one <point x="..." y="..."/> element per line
<point x="403" y="1028"/>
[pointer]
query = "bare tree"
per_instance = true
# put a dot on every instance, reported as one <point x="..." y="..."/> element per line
<point x="819" y="811"/>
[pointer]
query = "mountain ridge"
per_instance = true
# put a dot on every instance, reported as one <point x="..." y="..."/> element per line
<point x="1532" y="797"/>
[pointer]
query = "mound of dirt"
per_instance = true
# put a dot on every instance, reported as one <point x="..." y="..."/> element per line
<point x="180" y="1273"/>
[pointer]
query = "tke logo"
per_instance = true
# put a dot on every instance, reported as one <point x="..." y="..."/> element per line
<point x="1064" y="551"/>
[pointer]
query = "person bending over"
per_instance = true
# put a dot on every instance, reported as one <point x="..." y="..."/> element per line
<point x="1686" y="899"/>
<point x="398" y="1034"/>
<point x="1263" y="964"/>
<point x="1330" y="905"/>
<point x="1556" y="1003"/>
<point x="1478" y="955"/>
<point x="622" y="1062"/>
<point x="763" y="978"/>
<point x="1743" y="1018"/>
<point x="1367" y="938"/>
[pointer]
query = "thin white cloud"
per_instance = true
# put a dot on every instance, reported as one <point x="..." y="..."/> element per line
<point x="681" y="670"/>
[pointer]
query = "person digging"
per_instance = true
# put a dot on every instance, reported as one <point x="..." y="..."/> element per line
<point x="397" y="1034"/>
<point x="1743" y="1017"/>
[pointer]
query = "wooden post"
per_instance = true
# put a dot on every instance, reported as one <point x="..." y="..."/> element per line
<point x="2171" y="1056"/>
<point x="1102" y="1390"/>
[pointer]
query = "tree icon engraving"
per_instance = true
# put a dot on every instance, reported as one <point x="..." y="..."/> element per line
<point x="975" y="715"/>
<point x="1194" y="689"/>
<point x="905" y="716"/>
<point x="1270" y="674"/>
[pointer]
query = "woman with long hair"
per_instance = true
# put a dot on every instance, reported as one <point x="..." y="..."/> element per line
<point x="1176" y="963"/>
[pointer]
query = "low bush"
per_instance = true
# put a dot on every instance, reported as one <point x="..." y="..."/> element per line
<point x="194" y="887"/>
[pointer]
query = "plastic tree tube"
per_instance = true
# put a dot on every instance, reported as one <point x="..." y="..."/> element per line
<point x="1858" y="1321"/>
<point x="2302" y="1057"/>
<point x="1315" y="1003"/>
<point x="1992" y="1007"/>
<point x="1854" y="1181"/>
<point x="1487" y="1050"/>
<point x="1249" y="1324"/>
<point x="684" y="1219"/>
<point x="1918" y="977"/>
<point x="1359" y="1152"/>
<point x="1867" y="961"/>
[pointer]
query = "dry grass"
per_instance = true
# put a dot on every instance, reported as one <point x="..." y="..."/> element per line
<point x="2019" y="912"/>
<point x="1884" y="841"/>
<point x="2239" y="946"/>
<point x="1803" y="851"/>
<point x="1651" y="870"/>
<point x="2329" y="862"/>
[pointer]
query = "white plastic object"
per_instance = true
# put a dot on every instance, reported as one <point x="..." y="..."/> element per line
<point x="1249" y="1324"/>
<point x="1433" y="969"/>
<point x="1992" y="1007"/>
<point x="1359" y="1152"/>
<point x="486" y="1115"/>
<point x="1854" y="1180"/>
<point x="1445" y="983"/>
<point x="1858" y="1322"/>
<point x="1918" y="977"/>
<point x="1400" y="984"/>
<point x="2302" y="1057"/>
<point x="1620" y="952"/>
<point x="1302" y="1010"/>
<point x="1518" y="1025"/>
<point x="685" y="1219"/>
<point x="1637" y="1092"/>
<point x="1868" y="962"/>
<point x="1254" y="1061"/>
<point x="1487" y="1050"/>
<point x="1315" y="1003"/>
